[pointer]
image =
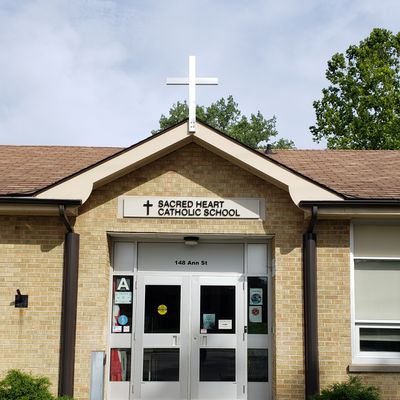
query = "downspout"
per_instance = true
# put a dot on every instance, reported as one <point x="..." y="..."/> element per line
<point x="69" y="308"/>
<point x="311" y="307"/>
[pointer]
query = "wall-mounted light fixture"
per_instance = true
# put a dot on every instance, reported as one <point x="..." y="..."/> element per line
<point x="21" y="300"/>
<point x="191" y="240"/>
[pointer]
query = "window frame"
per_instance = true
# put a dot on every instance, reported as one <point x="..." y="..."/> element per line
<point x="368" y="357"/>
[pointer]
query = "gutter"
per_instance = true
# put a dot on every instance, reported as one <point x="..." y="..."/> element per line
<point x="34" y="206"/>
<point x="351" y="203"/>
<point x="311" y="355"/>
<point x="354" y="208"/>
<point x="36" y="201"/>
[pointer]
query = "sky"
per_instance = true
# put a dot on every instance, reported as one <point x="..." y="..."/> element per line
<point x="93" y="72"/>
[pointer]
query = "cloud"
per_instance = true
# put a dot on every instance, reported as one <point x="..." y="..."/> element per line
<point x="63" y="78"/>
<point x="92" y="72"/>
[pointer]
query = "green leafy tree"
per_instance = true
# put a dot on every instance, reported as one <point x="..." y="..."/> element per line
<point x="361" y="107"/>
<point x="225" y="116"/>
<point x="283" y="144"/>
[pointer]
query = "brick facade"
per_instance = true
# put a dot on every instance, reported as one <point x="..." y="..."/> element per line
<point x="32" y="259"/>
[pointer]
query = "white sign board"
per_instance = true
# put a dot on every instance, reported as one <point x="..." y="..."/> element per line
<point x="190" y="207"/>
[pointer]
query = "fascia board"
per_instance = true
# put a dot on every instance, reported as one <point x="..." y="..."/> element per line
<point x="81" y="185"/>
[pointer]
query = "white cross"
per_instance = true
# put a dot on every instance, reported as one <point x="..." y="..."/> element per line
<point x="192" y="82"/>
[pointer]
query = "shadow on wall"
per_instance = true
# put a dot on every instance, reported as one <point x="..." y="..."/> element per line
<point x="30" y="231"/>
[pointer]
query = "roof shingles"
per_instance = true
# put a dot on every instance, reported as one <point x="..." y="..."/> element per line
<point x="356" y="174"/>
<point x="27" y="169"/>
<point x="366" y="174"/>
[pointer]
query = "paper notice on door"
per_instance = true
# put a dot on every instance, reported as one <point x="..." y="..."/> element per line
<point x="256" y="296"/>
<point x="123" y="298"/>
<point x="208" y="321"/>
<point x="225" y="324"/>
<point x="255" y="314"/>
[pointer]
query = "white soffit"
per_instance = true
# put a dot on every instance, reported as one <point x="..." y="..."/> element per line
<point x="81" y="185"/>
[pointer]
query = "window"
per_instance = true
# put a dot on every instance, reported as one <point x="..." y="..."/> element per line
<point x="376" y="293"/>
<point x="258" y="324"/>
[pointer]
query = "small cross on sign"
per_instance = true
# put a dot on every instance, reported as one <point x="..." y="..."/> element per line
<point x="147" y="205"/>
<point x="192" y="81"/>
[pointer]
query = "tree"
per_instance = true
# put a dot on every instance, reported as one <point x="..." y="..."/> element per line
<point x="361" y="107"/>
<point x="284" y="144"/>
<point x="225" y="116"/>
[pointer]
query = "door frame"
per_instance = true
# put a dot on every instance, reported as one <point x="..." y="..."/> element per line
<point x="132" y="239"/>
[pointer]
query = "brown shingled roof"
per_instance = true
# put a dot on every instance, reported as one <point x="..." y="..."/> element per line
<point x="366" y="174"/>
<point x="356" y="174"/>
<point x="26" y="169"/>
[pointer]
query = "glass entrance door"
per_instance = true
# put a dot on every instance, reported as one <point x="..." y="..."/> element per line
<point x="217" y="346"/>
<point x="190" y="341"/>
<point x="161" y="338"/>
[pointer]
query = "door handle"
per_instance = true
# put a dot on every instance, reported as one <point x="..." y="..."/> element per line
<point x="204" y="341"/>
<point x="175" y="340"/>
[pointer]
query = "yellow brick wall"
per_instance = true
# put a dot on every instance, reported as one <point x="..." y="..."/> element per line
<point x="334" y="324"/>
<point x="192" y="171"/>
<point x="388" y="384"/>
<point x="31" y="260"/>
<point x="32" y="252"/>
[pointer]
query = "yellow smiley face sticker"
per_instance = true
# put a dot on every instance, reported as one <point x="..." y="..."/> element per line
<point x="162" y="309"/>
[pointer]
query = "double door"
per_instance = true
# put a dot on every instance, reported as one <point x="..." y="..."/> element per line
<point x="190" y="339"/>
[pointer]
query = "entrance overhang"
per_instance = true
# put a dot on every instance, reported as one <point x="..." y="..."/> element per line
<point x="80" y="185"/>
